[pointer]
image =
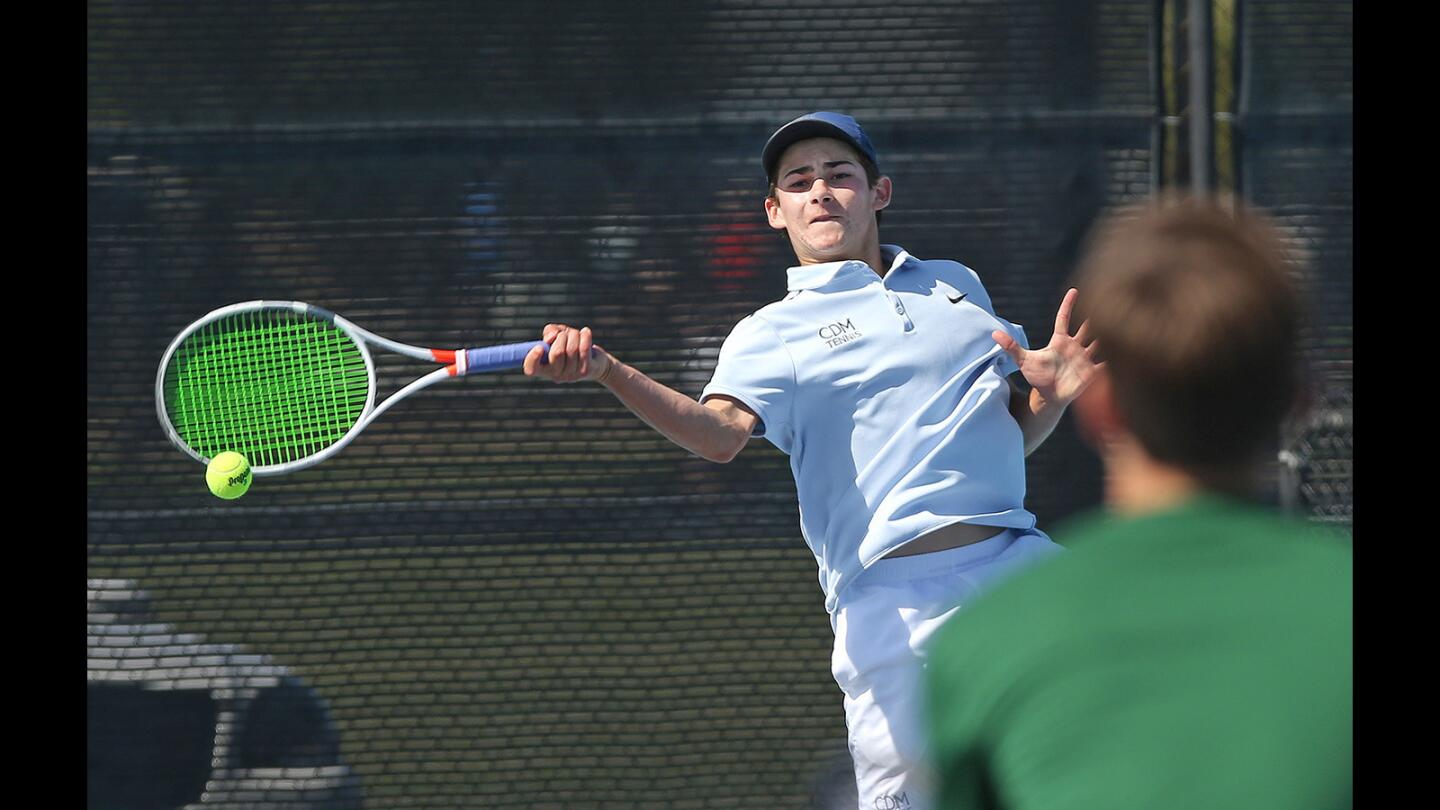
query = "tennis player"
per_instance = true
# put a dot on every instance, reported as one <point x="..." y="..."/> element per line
<point x="1192" y="648"/>
<point x="887" y="380"/>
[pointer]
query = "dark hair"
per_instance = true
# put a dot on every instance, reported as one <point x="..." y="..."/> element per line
<point x="1198" y="321"/>
<point x="872" y="174"/>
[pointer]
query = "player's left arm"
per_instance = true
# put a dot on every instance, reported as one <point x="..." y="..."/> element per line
<point x="1057" y="374"/>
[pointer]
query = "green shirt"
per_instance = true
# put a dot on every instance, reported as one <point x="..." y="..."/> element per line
<point x="1198" y="658"/>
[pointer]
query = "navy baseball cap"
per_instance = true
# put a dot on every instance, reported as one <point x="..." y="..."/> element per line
<point x="817" y="125"/>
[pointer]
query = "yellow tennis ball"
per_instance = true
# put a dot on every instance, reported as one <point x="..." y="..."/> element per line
<point x="228" y="475"/>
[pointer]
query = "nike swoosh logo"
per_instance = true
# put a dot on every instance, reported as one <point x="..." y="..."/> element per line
<point x="958" y="300"/>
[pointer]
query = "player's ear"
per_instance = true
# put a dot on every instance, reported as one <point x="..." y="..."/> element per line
<point x="883" y="190"/>
<point x="774" y="214"/>
<point x="1097" y="414"/>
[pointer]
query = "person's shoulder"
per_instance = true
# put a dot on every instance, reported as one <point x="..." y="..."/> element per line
<point x="776" y="316"/>
<point x="1324" y="550"/>
<point x="770" y="310"/>
<point x="942" y="266"/>
<point x="1207" y="532"/>
<point x="757" y="327"/>
<point x="1016" y="626"/>
<point x="1199" y="515"/>
<point x="955" y="273"/>
<point x="1245" y="519"/>
<point x="1021" y="611"/>
<point x="764" y="323"/>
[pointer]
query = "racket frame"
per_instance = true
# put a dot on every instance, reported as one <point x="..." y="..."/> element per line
<point x="360" y="336"/>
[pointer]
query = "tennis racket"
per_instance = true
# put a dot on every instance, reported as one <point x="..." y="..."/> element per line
<point x="288" y="384"/>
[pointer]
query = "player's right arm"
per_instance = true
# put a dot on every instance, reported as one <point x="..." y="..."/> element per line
<point x="716" y="430"/>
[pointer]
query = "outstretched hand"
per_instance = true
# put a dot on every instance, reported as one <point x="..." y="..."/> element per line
<point x="1062" y="370"/>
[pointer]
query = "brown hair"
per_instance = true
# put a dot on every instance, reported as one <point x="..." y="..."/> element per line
<point x="1198" y="321"/>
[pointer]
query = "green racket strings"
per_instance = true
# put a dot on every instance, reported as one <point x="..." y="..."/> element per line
<point x="273" y="385"/>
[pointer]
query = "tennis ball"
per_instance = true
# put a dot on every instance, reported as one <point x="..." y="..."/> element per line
<point x="228" y="475"/>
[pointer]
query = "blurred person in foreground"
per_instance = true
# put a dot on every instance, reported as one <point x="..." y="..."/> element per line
<point x="1193" y="648"/>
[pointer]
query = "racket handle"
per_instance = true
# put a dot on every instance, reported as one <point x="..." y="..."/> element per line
<point x="499" y="358"/>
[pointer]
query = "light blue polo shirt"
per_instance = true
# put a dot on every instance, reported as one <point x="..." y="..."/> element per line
<point x="891" y="399"/>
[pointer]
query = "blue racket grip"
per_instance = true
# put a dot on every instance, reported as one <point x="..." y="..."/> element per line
<point x="499" y="358"/>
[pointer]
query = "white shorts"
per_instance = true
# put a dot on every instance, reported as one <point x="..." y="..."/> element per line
<point x="882" y="626"/>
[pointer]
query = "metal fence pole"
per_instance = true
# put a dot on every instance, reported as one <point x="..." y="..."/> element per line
<point x="1202" y="97"/>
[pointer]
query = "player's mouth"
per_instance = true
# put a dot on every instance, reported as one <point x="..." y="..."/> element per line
<point x="826" y="218"/>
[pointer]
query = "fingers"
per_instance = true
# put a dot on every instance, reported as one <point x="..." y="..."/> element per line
<point x="1009" y="344"/>
<point x="560" y="359"/>
<point x="532" y="360"/>
<point x="1062" y="317"/>
<point x="568" y="358"/>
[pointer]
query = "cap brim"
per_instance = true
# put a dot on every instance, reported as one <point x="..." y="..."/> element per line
<point x="798" y="131"/>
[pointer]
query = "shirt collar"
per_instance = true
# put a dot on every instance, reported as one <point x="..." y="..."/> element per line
<point x="815" y="276"/>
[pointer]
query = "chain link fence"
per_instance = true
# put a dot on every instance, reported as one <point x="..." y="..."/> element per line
<point x="510" y="594"/>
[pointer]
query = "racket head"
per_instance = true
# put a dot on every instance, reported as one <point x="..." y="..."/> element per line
<point x="284" y="383"/>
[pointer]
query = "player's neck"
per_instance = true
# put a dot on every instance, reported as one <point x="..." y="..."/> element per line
<point x="870" y="255"/>
<point x="1136" y="484"/>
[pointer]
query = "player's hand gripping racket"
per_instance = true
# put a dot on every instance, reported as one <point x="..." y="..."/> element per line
<point x="288" y="384"/>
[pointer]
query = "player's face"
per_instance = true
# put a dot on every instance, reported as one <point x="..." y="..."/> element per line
<point x="825" y="202"/>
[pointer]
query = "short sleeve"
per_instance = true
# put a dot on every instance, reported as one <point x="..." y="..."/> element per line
<point x="755" y="368"/>
<point x="1007" y="364"/>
